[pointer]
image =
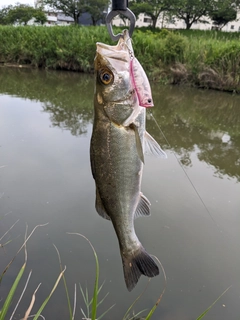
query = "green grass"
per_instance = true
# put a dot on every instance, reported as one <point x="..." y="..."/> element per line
<point x="11" y="294"/>
<point x="208" y="59"/>
<point x="210" y="307"/>
<point x="91" y="303"/>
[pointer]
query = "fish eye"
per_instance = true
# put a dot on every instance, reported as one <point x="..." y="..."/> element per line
<point x="105" y="76"/>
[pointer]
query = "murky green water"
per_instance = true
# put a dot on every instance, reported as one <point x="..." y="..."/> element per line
<point x="45" y="177"/>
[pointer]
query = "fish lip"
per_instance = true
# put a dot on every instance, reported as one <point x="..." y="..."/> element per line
<point x="108" y="47"/>
<point x="115" y="52"/>
<point x="103" y="45"/>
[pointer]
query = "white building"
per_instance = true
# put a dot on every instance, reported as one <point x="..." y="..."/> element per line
<point x="145" y="21"/>
<point x="54" y="19"/>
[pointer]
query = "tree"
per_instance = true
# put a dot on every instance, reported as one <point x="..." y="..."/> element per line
<point x="71" y="8"/>
<point x="223" y="12"/>
<point x="40" y="16"/>
<point x="21" y="13"/>
<point x="191" y="11"/>
<point x="152" y="8"/>
<point x="4" y="14"/>
<point x="97" y="9"/>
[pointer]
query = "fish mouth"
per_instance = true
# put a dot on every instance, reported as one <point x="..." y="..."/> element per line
<point x="119" y="52"/>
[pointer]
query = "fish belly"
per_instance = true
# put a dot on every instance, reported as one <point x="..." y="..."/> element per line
<point x="117" y="170"/>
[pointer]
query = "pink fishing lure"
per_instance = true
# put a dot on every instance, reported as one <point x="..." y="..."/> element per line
<point x="141" y="84"/>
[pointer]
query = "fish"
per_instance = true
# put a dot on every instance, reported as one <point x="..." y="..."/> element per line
<point x="118" y="143"/>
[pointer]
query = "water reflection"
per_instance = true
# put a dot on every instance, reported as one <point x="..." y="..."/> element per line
<point x="206" y="122"/>
<point x="60" y="92"/>
<point x="47" y="178"/>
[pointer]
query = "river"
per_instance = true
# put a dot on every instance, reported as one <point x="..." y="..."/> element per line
<point x="45" y="177"/>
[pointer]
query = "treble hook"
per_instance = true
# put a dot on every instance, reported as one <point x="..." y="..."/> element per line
<point x="120" y="7"/>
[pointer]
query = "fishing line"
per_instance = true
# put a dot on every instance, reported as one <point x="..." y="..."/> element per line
<point x="182" y="167"/>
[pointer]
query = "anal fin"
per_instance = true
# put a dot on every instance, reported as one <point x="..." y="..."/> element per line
<point x="143" y="208"/>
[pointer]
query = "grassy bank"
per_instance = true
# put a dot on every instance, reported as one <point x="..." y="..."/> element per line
<point x="207" y="59"/>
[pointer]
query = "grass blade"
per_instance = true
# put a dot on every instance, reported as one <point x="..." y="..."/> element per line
<point x="95" y="292"/>
<point x="85" y="299"/>
<point x="126" y="315"/>
<point x="9" y="230"/>
<point x="102" y="315"/>
<point x="138" y="314"/>
<point x="206" y="311"/>
<point x="19" y="300"/>
<point x="65" y="284"/>
<point x="48" y="298"/>
<point x="23" y="246"/>
<point x="75" y="301"/>
<point x="27" y="313"/>
<point x="11" y="293"/>
<point x="149" y="316"/>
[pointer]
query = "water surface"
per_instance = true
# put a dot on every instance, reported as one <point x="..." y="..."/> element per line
<point x="45" y="177"/>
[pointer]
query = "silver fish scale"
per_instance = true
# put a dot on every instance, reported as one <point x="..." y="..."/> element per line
<point x="118" y="178"/>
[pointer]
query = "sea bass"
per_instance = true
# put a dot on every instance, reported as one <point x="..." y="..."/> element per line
<point x="118" y="142"/>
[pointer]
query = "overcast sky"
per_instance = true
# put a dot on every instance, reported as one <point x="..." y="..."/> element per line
<point x="13" y="2"/>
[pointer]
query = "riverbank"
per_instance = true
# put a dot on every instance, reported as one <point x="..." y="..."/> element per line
<point x="207" y="59"/>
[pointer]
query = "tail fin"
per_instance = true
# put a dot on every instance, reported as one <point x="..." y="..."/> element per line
<point x="136" y="265"/>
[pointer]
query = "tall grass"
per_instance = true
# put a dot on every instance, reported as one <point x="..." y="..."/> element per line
<point x="209" y="59"/>
<point x="12" y="291"/>
<point x="70" y="48"/>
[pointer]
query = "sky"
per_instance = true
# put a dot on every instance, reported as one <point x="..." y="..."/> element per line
<point x="13" y="2"/>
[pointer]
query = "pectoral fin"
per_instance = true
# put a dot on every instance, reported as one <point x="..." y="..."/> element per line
<point x="100" y="207"/>
<point x="143" y="208"/>
<point x="138" y="142"/>
<point x="152" y="147"/>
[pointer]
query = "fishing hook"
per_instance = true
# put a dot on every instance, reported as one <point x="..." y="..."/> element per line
<point x="120" y="7"/>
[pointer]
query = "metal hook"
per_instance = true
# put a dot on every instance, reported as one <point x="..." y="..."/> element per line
<point x="124" y="11"/>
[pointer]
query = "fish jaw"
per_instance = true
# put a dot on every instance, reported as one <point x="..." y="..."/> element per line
<point x="117" y="97"/>
<point x="115" y="59"/>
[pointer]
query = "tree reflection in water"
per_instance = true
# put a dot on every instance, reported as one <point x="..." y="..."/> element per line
<point x="193" y="121"/>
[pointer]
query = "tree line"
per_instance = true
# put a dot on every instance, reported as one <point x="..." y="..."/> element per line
<point x="190" y="11"/>
<point x="21" y="14"/>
